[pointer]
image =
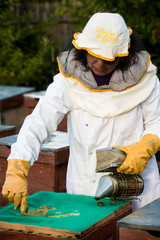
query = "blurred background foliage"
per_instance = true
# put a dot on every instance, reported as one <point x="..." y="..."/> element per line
<point x="29" y="47"/>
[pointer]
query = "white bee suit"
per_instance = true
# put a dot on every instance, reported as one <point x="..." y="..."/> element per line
<point x="97" y="118"/>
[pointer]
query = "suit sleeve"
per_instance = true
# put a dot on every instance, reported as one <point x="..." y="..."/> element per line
<point x="43" y="121"/>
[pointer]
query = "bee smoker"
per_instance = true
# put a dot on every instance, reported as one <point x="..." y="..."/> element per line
<point x="116" y="185"/>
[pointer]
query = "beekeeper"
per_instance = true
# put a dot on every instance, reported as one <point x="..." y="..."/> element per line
<point x="109" y="90"/>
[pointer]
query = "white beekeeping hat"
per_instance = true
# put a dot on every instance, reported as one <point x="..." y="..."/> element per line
<point x="105" y="36"/>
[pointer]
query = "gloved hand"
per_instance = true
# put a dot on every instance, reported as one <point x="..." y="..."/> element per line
<point x="15" y="186"/>
<point x="139" y="154"/>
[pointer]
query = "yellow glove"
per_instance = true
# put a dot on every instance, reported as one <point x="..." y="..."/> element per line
<point x="139" y="154"/>
<point x="15" y="186"/>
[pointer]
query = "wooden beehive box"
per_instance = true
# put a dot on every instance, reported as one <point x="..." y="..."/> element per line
<point x="12" y="109"/>
<point x="142" y="224"/>
<point x="6" y="130"/>
<point x="49" y="172"/>
<point x="53" y="216"/>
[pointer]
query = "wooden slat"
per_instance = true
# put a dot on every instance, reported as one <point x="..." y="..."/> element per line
<point x="12" y="235"/>
<point x="36" y="229"/>
<point x="133" y="234"/>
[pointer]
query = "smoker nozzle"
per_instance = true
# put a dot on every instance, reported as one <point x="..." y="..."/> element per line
<point x="107" y="187"/>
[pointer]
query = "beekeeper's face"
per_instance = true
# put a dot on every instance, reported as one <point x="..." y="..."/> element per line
<point x="101" y="67"/>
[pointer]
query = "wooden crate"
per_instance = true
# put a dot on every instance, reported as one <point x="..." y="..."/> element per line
<point x="142" y="224"/>
<point x="12" y="109"/>
<point x="49" y="172"/>
<point x="6" y="130"/>
<point x="101" y="228"/>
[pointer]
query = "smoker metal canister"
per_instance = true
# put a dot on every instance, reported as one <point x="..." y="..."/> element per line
<point x="120" y="186"/>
